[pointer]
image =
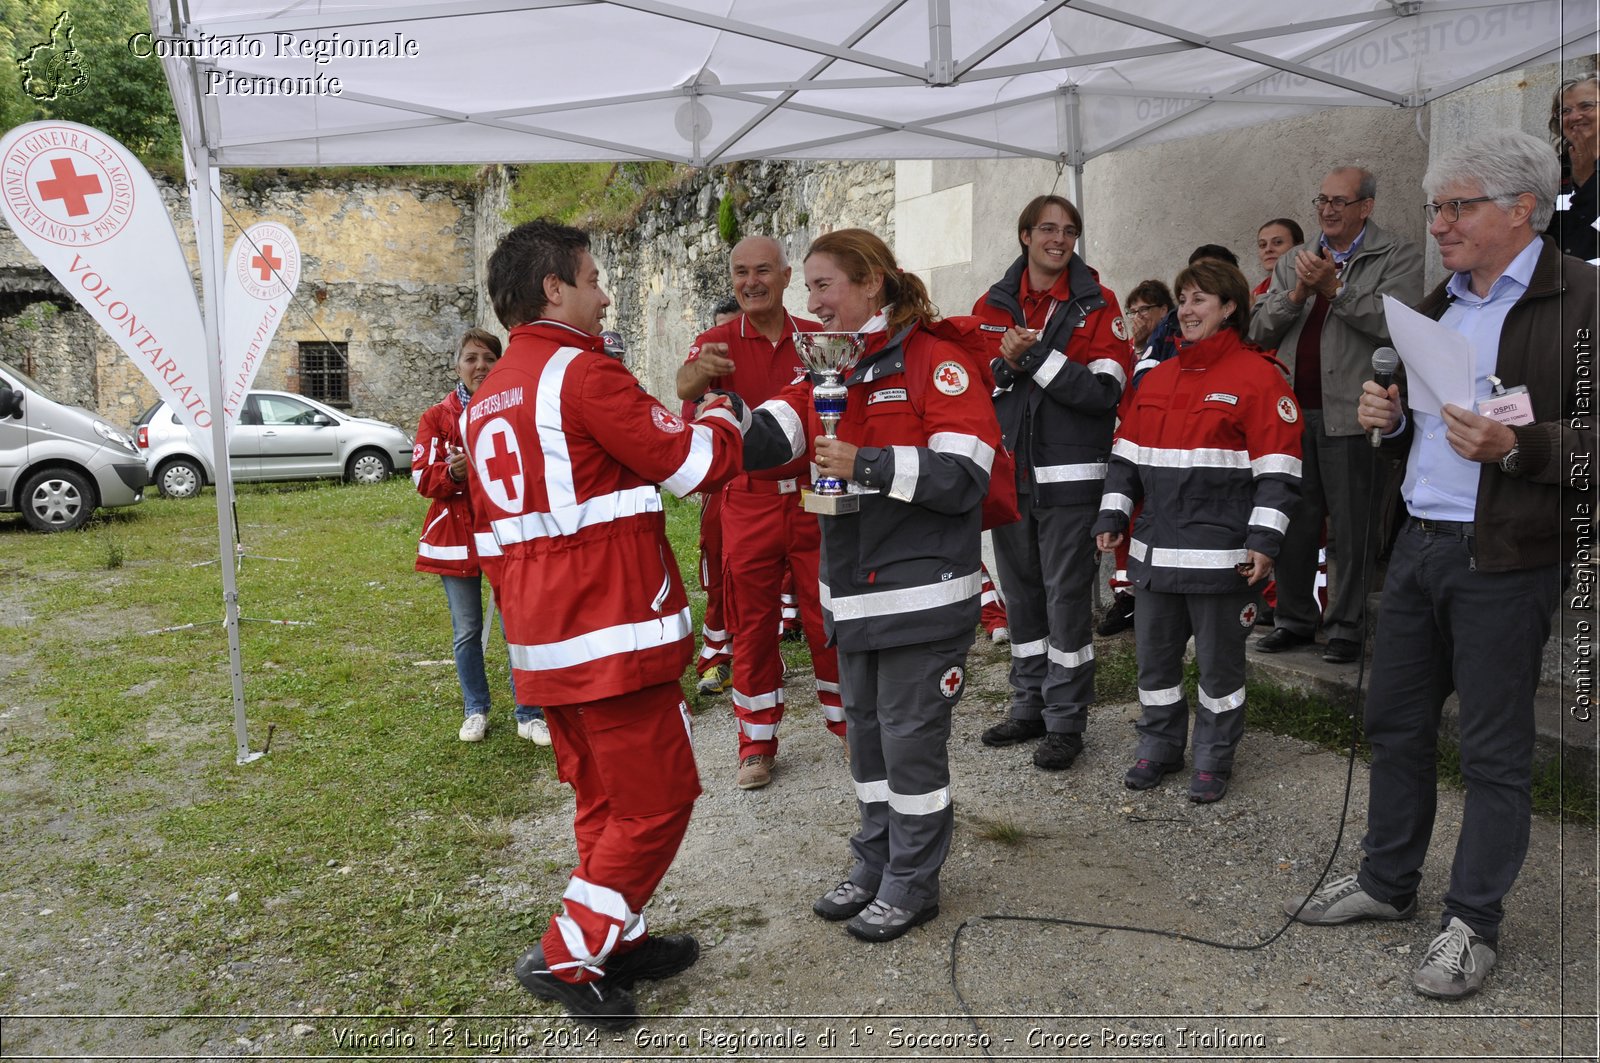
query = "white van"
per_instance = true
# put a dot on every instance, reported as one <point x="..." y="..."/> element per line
<point x="59" y="463"/>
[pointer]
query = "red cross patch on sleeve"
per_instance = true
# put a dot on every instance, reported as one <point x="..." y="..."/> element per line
<point x="665" y="420"/>
<point x="950" y="378"/>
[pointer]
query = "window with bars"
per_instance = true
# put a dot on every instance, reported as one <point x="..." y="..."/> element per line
<point x="324" y="372"/>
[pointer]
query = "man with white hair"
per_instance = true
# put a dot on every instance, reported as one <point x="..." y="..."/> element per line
<point x="1475" y="576"/>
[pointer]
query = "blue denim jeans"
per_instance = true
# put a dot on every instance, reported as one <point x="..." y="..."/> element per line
<point x="465" y="594"/>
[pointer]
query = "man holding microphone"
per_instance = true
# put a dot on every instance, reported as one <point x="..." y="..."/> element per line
<point x="1477" y="570"/>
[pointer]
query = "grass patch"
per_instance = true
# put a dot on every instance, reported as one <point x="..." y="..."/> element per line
<point x="603" y="195"/>
<point x="1002" y="831"/>
<point x="367" y="865"/>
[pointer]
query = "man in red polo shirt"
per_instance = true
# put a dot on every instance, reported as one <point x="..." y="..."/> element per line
<point x="766" y="531"/>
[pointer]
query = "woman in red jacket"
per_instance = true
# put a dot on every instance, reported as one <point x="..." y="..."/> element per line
<point x="439" y="468"/>
<point x="901" y="576"/>
<point x="1210" y="444"/>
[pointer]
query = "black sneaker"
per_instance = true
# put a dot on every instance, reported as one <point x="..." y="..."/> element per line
<point x="1013" y="731"/>
<point x="1057" y="751"/>
<point x="1342" y="651"/>
<point x="661" y="956"/>
<point x="604" y="1003"/>
<point x="1119" y="617"/>
<point x="1206" y="787"/>
<point x="1147" y="774"/>
<point x="1281" y="638"/>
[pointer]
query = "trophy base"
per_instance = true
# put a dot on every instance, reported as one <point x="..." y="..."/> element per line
<point x="830" y="505"/>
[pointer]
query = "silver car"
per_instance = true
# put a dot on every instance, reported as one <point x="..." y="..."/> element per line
<point x="59" y="462"/>
<point x="279" y="436"/>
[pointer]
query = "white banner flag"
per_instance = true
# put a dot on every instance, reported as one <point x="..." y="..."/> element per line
<point x="262" y="272"/>
<point x="87" y="208"/>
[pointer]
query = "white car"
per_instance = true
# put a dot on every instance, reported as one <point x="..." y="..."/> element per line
<point x="279" y="436"/>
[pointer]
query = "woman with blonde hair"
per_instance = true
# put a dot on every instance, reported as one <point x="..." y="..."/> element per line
<point x="1575" y="129"/>
<point x="901" y="579"/>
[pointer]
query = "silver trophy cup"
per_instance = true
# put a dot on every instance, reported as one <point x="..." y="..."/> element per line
<point x="832" y="354"/>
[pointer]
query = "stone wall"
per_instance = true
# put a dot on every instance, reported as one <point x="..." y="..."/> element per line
<point x="668" y="267"/>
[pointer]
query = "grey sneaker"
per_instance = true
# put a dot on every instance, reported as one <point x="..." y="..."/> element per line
<point x="884" y="922"/>
<point x="1342" y="900"/>
<point x="843" y="901"/>
<point x="1456" y="963"/>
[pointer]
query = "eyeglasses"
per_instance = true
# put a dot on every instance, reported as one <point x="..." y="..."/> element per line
<point x="1582" y="105"/>
<point x="1451" y="208"/>
<point x="1048" y="229"/>
<point x="1137" y="311"/>
<point x="1337" y="202"/>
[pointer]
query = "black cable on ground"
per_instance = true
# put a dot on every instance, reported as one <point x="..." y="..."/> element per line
<point x="1333" y="854"/>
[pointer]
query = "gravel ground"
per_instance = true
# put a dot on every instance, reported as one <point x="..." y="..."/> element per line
<point x="775" y="982"/>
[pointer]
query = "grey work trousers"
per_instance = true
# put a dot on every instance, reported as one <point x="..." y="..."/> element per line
<point x="1444" y="628"/>
<point x="1220" y="623"/>
<point x="1048" y="565"/>
<point x="897" y="706"/>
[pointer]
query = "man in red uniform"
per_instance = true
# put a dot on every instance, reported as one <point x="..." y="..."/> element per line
<point x="715" y="662"/>
<point x="567" y="451"/>
<point x="754" y="357"/>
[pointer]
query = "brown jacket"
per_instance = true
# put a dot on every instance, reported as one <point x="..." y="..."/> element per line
<point x="1548" y="343"/>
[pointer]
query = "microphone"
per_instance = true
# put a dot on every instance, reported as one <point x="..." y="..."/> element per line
<point x="1384" y="362"/>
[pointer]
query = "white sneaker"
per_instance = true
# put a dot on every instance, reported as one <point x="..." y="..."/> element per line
<point x="999" y="635"/>
<point x="535" y="731"/>
<point x="474" y="726"/>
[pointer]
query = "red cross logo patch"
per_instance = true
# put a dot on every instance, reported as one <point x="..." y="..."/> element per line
<point x="499" y="462"/>
<point x="950" y="378"/>
<point x="950" y="682"/>
<point x="1247" y="616"/>
<point x="665" y="421"/>
<point x="1119" y="329"/>
<point x="1288" y="410"/>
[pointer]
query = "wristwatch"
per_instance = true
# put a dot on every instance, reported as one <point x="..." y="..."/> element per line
<point x="1512" y="462"/>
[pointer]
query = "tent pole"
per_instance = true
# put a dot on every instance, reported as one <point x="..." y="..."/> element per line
<point x="206" y="205"/>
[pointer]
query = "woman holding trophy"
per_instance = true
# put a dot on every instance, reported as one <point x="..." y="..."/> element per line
<point x="902" y="452"/>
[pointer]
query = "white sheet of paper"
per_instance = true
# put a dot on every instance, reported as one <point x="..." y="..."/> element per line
<point x="1438" y="359"/>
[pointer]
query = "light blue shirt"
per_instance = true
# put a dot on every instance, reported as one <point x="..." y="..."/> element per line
<point x="1440" y="484"/>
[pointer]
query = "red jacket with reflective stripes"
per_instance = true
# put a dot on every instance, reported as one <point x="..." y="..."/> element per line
<point x="905" y="568"/>
<point x="446" y="544"/>
<point x="567" y="452"/>
<point x="1210" y="444"/>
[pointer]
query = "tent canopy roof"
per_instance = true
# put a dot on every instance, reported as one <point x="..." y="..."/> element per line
<point x="708" y="81"/>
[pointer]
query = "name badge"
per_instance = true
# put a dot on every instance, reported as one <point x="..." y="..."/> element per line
<point x="1511" y="406"/>
<point x="1220" y="396"/>
<point x="887" y="395"/>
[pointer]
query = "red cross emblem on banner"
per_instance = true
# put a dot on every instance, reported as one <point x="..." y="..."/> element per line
<point x="70" y="186"/>
<point x="265" y="263"/>
<point x="950" y="682"/>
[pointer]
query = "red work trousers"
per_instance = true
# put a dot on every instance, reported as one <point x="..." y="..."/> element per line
<point x="768" y="533"/>
<point x="630" y="762"/>
<point x="714" y="639"/>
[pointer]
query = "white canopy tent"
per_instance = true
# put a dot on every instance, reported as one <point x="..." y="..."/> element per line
<point x="700" y="82"/>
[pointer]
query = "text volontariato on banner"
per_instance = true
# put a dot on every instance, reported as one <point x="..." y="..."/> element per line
<point x="88" y="210"/>
<point x="258" y="284"/>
